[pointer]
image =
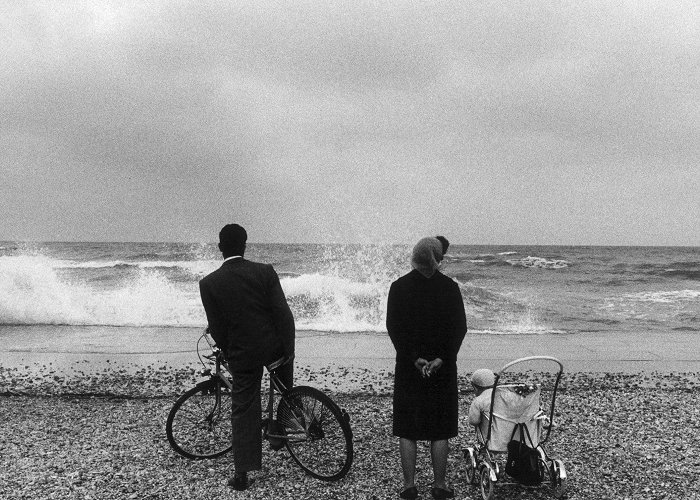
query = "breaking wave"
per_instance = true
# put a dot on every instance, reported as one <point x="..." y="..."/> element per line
<point x="344" y="288"/>
<point x="539" y="263"/>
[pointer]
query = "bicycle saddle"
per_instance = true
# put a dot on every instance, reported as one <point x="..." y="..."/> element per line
<point x="279" y="362"/>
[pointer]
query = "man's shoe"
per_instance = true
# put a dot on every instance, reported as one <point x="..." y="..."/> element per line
<point x="240" y="482"/>
<point x="441" y="493"/>
<point x="276" y="444"/>
<point x="409" y="493"/>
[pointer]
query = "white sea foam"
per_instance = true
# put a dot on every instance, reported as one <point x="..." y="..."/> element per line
<point x="459" y="257"/>
<point x="343" y="288"/>
<point x="539" y="263"/>
<point x="195" y="267"/>
<point x="91" y="264"/>
<point x="517" y="331"/>
<point x="527" y="323"/>
<point x="332" y="303"/>
<point x="36" y="290"/>
<point x="31" y="292"/>
<point x="665" y="297"/>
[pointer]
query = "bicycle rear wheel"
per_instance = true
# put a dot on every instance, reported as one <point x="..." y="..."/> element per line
<point x="199" y="424"/>
<point x="318" y="433"/>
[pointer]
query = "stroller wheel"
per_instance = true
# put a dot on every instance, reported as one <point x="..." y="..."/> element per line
<point x="557" y="474"/>
<point x="488" y="483"/>
<point x="472" y="471"/>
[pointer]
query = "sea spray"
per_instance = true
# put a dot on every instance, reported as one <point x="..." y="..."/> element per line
<point x="343" y="288"/>
<point x="527" y="323"/>
<point x="349" y="292"/>
<point x="32" y="292"/>
<point x="331" y="303"/>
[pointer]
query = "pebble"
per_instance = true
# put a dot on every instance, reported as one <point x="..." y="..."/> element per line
<point x="103" y="433"/>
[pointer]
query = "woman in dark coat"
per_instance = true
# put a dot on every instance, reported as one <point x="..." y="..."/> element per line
<point x="426" y="323"/>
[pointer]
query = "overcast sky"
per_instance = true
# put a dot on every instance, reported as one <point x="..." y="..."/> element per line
<point x="542" y="122"/>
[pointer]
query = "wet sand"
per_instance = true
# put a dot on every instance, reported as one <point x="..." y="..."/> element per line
<point x="129" y="346"/>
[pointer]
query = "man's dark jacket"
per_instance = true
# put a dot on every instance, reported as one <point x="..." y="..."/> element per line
<point x="248" y="314"/>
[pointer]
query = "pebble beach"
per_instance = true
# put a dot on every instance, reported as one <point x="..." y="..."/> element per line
<point x="100" y="433"/>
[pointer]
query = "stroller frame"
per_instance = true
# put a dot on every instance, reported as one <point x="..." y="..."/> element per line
<point x="482" y="465"/>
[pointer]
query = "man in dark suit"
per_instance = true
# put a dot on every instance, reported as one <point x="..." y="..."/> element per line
<point x="251" y="322"/>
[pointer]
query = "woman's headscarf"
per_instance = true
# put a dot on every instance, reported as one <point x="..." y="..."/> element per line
<point x="427" y="255"/>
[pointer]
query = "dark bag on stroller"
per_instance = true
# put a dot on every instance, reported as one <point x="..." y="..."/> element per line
<point x="522" y="463"/>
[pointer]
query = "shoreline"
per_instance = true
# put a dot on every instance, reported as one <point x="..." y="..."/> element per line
<point x="125" y="360"/>
<point x="672" y="351"/>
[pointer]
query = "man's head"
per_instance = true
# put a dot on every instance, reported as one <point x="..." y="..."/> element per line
<point x="232" y="238"/>
<point x="482" y="379"/>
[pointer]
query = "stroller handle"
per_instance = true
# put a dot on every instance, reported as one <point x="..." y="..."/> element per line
<point x="531" y="358"/>
<point x="554" y="391"/>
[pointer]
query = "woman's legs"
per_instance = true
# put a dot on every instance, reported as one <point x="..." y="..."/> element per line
<point x="438" y="453"/>
<point x="408" y="450"/>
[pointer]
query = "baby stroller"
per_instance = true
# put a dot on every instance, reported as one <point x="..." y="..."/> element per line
<point x="514" y="426"/>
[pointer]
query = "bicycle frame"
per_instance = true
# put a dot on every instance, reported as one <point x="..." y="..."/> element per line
<point x="276" y="383"/>
<point x="313" y="428"/>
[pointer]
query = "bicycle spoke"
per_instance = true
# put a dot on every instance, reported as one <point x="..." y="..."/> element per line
<point x="318" y="437"/>
<point x="199" y="425"/>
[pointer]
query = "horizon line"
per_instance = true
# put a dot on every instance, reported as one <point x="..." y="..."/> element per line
<point x="602" y="245"/>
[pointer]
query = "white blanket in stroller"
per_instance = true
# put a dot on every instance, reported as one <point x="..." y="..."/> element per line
<point x="509" y="409"/>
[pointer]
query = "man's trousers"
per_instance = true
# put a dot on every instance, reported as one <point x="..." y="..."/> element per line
<point x="246" y="415"/>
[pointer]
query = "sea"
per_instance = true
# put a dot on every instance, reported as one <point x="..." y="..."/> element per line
<point x="342" y="288"/>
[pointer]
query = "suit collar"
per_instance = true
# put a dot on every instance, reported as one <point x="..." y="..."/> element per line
<point x="232" y="261"/>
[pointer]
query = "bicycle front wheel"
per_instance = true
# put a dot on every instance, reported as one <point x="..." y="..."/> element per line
<point x="199" y="424"/>
<point x="318" y="434"/>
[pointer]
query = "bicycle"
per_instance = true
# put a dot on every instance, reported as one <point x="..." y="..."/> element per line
<point x="313" y="428"/>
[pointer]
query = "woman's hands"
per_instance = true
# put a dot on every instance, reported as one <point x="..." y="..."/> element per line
<point x="427" y="368"/>
<point x="432" y="367"/>
<point x="420" y="365"/>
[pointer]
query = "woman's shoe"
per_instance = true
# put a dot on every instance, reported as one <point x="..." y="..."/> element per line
<point x="409" y="493"/>
<point x="441" y="493"/>
<point x="240" y="482"/>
